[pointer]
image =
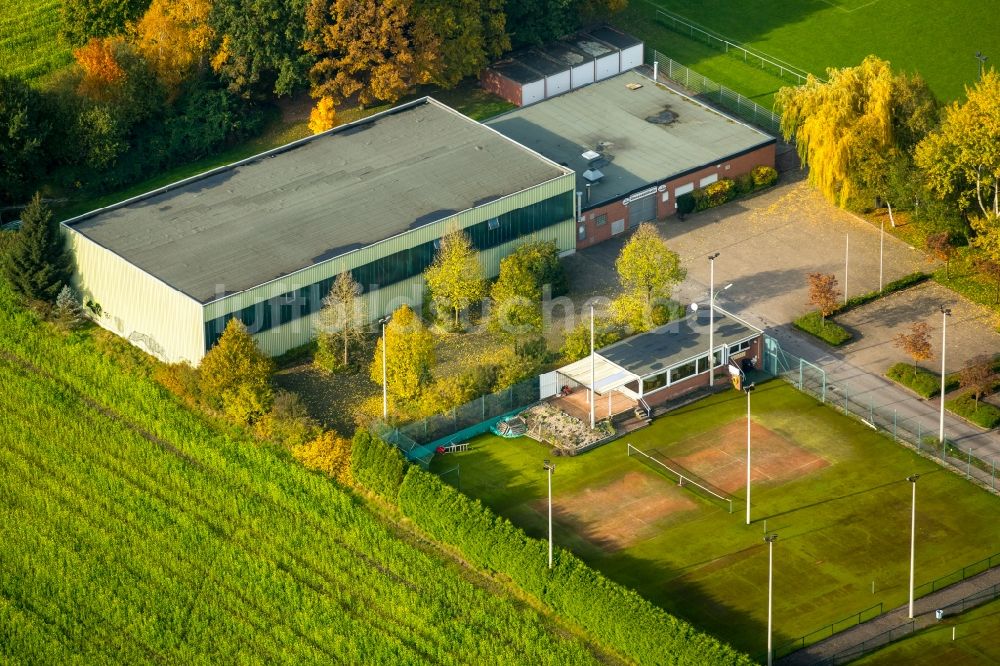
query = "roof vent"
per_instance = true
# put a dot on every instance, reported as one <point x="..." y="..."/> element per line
<point x="664" y="117"/>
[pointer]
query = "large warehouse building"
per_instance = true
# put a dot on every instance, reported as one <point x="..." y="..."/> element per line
<point x="635" y="146"/>
<point x="263" y="239"/>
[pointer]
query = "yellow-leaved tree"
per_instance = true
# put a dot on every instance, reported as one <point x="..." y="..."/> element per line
<point x="174" y="37"/>
<point x="323" y="116"/>
<point x="648" y="270"/>
<point x="328" y="453"/>
<point x="409" y="357"/>
<point x="859" y="116"/>
<point x="235" y="375"/>
<point x="455" y="279"/>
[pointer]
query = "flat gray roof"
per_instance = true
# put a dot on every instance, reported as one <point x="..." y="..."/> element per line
<point x="611" y="119"/>
<point x="251" y="222"/>
<point x="653" y="352"/>
<point x="616" y="38"/>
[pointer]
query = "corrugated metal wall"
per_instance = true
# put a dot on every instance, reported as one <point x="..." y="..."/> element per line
<point x="148" y="313"/>
<point x="297" y="332"/>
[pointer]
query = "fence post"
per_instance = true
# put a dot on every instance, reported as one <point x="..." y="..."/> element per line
<point x="894" y="438"/>
<point x="871" y="409"/>
<point x="993" y="473"/>
<point x="800" y="374"/>
<point x="968" y="469"/>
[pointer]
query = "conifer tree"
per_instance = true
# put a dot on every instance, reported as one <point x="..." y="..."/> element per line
<point x="38" y="264"/>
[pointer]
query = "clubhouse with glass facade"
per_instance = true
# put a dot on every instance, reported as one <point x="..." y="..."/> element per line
<point x="262" y="239"/>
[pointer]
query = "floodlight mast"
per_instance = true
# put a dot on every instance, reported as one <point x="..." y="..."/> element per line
<point x="711" y="319"/>
<point x="770" y="539"/>
<point x="385" y="385"/>
<point x="945" y="313"/>
<point x="550" y="468"/>
<point x="748" y="389"/>
<point x="913" y="534"/>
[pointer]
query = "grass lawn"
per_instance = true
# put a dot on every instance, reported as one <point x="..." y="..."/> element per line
<point x="919" y="36"/>
<point x="833" y="490"/>
<point x="975" y="642"/>
<point x="29" y="38"/>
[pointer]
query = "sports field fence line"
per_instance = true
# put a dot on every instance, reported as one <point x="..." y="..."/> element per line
<point x="973" y="600"/>
<point x="870" y="645"/>
<point x="747" y="54"/>
<point x="919" y="432"/>
<point x="957" y="576"/>
<point x="829" y="630"/>
<point x="709" y="91"/>
<point x="681" y="477"/>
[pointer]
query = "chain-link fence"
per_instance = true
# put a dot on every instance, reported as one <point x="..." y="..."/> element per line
<point x="918" y="432"/>
<point x="876" y="642"/>
<point x="716" y="94"/>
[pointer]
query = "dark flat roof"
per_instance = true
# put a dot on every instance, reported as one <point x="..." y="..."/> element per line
<point x="616" y="38"/>
<point x="517" y="72"/>
<point x="248" y="223"/>
<point x="653" y="352"/>
<point x="593" y="47"/>
<point x="566" y="54"/>
<point x="611" y="119"/>
<point x="538" y="61"/>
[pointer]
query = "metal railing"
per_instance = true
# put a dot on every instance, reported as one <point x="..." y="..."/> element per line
<point x="958" y="575"/>
<point x="870" y="645"/>
<point x="979" y="598"/>
<point x="829" y="630"/>
<point x="709" y="91"/>
<point x="748" y="54"/>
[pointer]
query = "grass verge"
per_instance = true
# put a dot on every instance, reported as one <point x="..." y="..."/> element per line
<point x="826" y="330"/>
<point x="983" y="414"/>
<point x="921" y="381"/>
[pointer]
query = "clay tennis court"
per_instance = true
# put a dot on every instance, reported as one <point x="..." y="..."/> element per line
<point x="622" y="512"/>
<point x="719" y="456"/>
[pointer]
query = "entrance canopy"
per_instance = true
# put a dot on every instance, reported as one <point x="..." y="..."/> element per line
<point x="607" y="375"/>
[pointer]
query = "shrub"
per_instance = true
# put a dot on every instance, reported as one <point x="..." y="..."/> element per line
<point x="577" y="344"/>
<point x="896" y="285"/>
<point x="328" y="453"/>
<point x="685" y="204"/>
<point x="982" y="414"/>
<point x="745" y="184"/>
<point x="923" y="382"/>
<point x="827" y="331"/>
<point x="720" y="192"/>
<point x="764" y="176"/>
<point x="180" y="379"/>
<point x="377" y="465"/>
<point x="288" y="423"/>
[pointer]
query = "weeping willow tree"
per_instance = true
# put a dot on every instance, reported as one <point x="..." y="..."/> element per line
<point x="856" y="131"/>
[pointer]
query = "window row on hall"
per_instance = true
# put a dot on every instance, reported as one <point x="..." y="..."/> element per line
<point x="394" y="268"/>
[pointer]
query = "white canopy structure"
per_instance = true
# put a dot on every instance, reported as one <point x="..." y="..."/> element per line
<point x="607" y="375"/>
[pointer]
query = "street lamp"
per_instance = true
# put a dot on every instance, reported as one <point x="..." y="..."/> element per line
<point x="385" y="385"/>
<point x="748" y="389"/>
<point x="945" y="313"/>
<point x="770" y="539"/>
<point x="592" y="361"/>
<point x="711" y="319"/>
<point x="550" y="467"/>
<point x="982" y="61"/>
<point x="913" y="534"/>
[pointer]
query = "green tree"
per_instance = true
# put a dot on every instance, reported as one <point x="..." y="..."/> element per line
<point x="410" y="355"/>
<point x="260" y="48"/>
<point x="987" y="242"/>
<point x="517" y="294"/>
<point x="342" y="320"/>
<point x="24" y="129"/>
<point x="235" y="375"/>
<point x="83" y="19"/>
<point x="465" y="35"/>
<point x="851" y="128"/>
<point x="455" y="278"/>
<point x="607" y="331"/>
<point x="38" y="265"/>
<point x="648" y="270"/>
<point x="962" y="157"/>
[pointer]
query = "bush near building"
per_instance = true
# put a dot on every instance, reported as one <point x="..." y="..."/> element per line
<point x="983" y="414"/>
<point x="827" y="331"/>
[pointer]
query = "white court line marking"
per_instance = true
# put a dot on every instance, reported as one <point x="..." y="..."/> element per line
<point x="836" y="5"/>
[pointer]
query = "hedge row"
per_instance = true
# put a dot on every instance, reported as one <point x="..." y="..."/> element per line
<point x="377" y="465"/>
<point x="983" y="415"/>
<point x="827" y="331"/>
<point x="921" y="381"/>
<point x="896" y="285"/>
<point x="611" y="613"/>
<point x="726" y="189"/>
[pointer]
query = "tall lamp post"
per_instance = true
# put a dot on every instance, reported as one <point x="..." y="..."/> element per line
<point x="592" y="387"/>
<point x="770" y="539"/>
<point x="550" y="467"/>
<point x="982" y="62"/>
<point x="913" y="534"/>
<point x="945" y="313"/>
<point x="748" y="389"/>
<point x="385" y="384"/>
<point x="711" y="319"/>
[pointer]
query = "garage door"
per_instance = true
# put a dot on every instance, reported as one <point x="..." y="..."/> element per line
<point x="641" y="210"/>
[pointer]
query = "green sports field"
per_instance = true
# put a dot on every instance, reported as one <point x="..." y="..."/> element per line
<point x="833" y="490"/>
<point x="936" y="39"/>
<point x="29" y="41"/>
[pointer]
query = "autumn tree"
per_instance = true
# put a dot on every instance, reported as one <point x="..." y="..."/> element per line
<point x="342" y="321"/>
<point x="323" y="116"/>
<point x="37" y="265"/>
<point x="288" y="422"/>
<point x="24" y="128"/>
<point x="576" y="345"/>
<point x="942" y="247"/>
<point x="962" y="157"/>
<point x="823" y="293"/>
<point x="648" y="270"/>
<point x="465" y="35"/>
<point x="85" y="19"/>
<point x="174" y="38"/>
<point x="409" y="358"/>
<point x="234" y="375"/>
<point x="259" y="49"/>
<point x="857" y="129"/>
<point x="978" y="376"/>
<point x="328" y="453"/>
<point x="455" y="278"/>
<point x="516" y="296"/>
<point x="916" y="344"/>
